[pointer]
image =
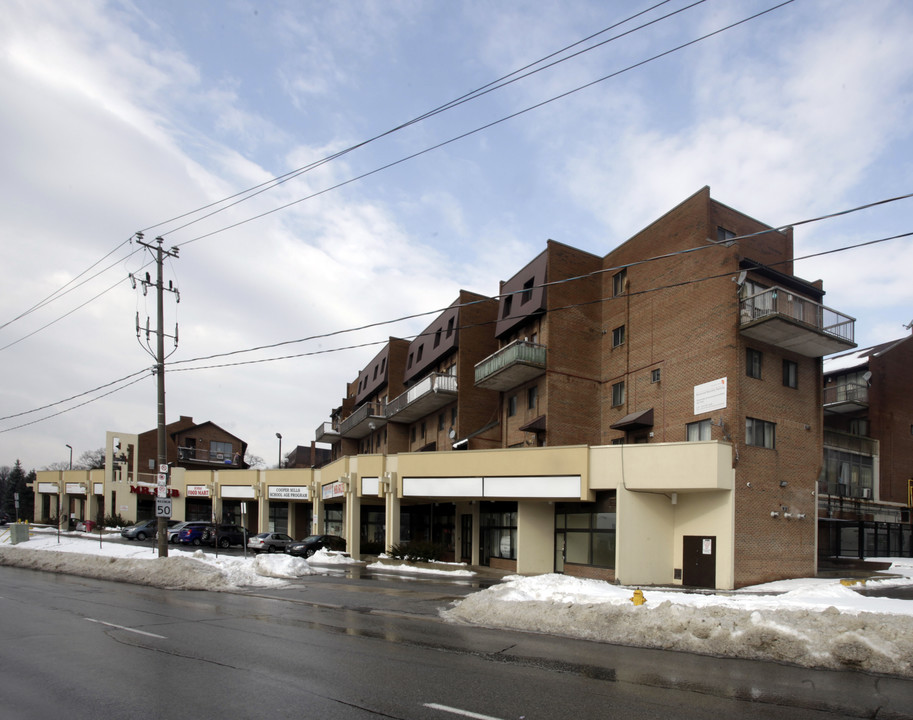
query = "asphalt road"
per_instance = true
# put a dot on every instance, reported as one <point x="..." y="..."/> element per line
<point x="332" y="647"/>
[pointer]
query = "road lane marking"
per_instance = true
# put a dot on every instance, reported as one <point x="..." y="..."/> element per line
<point x="121" y="627"/>
<point x="457" y="711"/>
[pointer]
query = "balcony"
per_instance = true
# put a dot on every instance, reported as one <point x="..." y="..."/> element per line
<point x="365" y="420"/>
<point x="789" y="321"/>
<point x="846" y="398"/>
<point x="326" y="433"/>
<point x="427" y="395"/>
<point x="512" y="365"/>
<point x="194" y="455"/>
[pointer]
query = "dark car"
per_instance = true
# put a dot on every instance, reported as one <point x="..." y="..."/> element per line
<point x="313" y="543"/>
<point x="193" y="534"/>
<point x="143" y="529"/>
<point x="4" y="518"/>
<point x="225" y="535"/>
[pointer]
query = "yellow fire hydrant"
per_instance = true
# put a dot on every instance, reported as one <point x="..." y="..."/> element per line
<point x="638" y="598"/>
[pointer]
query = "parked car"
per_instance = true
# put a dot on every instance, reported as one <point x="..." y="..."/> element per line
<point x="144" y="529"/>
<point x="313" y="543"/>
<point x="226" y="535"/>
<point x="192" y="534"/>
<point x="4" y="518"/>
<point x="269" y="542"/>
<point x="174" y="533"/>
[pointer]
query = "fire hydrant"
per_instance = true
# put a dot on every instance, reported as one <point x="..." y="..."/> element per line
<point x="638" y="598"/>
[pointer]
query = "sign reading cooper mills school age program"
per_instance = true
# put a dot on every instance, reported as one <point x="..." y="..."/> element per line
<point x="288" y="492"/>
<point x="710" y="396"/>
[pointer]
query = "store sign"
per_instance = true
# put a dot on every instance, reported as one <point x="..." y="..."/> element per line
<point x="198" y="491"/>
<point x="288" y="492"/>
<point x="48" y="488"/>
<point x="333" y="490"/>
<point x="710" y="396"/>
<point x="152" y="490"/>
<point x="75" y="489"/>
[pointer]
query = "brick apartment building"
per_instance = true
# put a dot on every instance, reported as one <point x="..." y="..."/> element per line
<point x="694" y="330"/>
<point x="653" y="416"/>
<point x="865" y="489"/>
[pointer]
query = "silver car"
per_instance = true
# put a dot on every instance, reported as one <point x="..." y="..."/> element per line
<point x="269" y="542"/>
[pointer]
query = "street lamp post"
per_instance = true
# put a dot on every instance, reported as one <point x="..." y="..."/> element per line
<point x="279" y="435"/>
<point x="71" y="455"/>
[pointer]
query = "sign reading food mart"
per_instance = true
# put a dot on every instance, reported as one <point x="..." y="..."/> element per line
<point x="288" y="492"/>
<point x="197" y="491"/>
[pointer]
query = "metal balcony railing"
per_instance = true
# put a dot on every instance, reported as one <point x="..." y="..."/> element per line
<point x="777" y="301"/>
<point x="849" y="392"/>
<point x="357" y="424"/>
<point x="201" y="455"/>
<point x="512" y="365"/>
<point x="326" y="432"/>
<point x="428" y="394"/>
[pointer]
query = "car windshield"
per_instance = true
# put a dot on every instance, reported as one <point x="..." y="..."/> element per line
<point x="262" y="536"/>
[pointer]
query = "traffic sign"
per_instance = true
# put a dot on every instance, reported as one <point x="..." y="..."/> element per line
<point x="163" y="507"/>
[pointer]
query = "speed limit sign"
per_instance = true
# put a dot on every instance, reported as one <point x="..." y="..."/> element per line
<point x="163" y="507"/>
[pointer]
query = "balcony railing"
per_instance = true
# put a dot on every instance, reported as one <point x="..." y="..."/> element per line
<point x="512" y="365"/>
<point x="326" y="433"/>
<point x="427" y="395"/>
<point x="363" y="421"/>
<point x="857" y="444"/>
<point x="782" y="318"/>
<point x="201" y="455"/>
<point x="850" y="394"/>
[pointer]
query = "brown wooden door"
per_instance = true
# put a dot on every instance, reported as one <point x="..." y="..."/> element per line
<point x="699" y="561"/>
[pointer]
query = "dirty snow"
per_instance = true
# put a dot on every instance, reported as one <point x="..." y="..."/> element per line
<point x="812" y="622"/>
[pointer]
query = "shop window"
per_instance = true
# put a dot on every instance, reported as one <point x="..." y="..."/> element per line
<point x="586" y="531"/>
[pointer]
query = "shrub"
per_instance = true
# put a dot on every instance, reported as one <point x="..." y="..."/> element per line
<point x="116" y="521"/>
<point x="417" y="551"/>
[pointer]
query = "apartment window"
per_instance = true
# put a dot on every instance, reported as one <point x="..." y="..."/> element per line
<point x="531" y="395"/>
<point x="512" y="406"/>
<point x="655" y="375"/>
<point x="421" y="349"/>
<point x="450" y="327"/>
<point x="618" y="441"/>
<point x="508" y="301"/>
<point x="753" y="363"/>
<point x="437" y="337"/>
<point x="618" y="336"/>
<point x="383" y="365"/>
<point x="619" y="283"/>
<point x="527" y="292"/>
<point x="409" y="364"/>
<point x="453" y="414"/>
<point x="423" y="429"/>
<point x="440" y="421"/>
<point x="412" y="434"/>
<point x="860" y="426"/>
<point x="790" y="374"/>
<point x="760" y="433"/>
<point x="697" y="431"/>
<point x="219" y="450"/>
<point x="618" y="394"/>
<point x="375" y="371"/>
<point x="724" y="236"/>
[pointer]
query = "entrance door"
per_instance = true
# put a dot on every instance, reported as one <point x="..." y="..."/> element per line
<point x="699" y="561"/>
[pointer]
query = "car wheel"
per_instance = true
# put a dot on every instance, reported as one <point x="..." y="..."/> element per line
<point x="270" y="548"/>
<point x="224" y="543"/>
<point x="140" y="536"/>
<point x="196" y="542"/>
<point x="309" y="552"/>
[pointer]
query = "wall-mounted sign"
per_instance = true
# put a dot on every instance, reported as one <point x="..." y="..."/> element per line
<point x="288" y="492"/>
<point x="710" y="396"/>
<point x="198" y="491"/>
<point x="75" y="489"/>
<point x="237" y="492"/>
<point x="333" y="490"/>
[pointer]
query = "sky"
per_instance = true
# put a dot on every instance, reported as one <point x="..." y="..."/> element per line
<point x="816" y="622"/>
<point x="121" y="117"/>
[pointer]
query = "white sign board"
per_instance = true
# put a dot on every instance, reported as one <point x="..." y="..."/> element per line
<point x="163" y="507"/>
<point x="288" y="492"/>
<point x="75" y="489"/>
<point x="333" y="490"/>
<point x="710" y="396"/>
<point x="197" y="491"/>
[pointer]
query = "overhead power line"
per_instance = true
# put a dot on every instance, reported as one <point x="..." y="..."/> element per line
<point x="487" y="126"/>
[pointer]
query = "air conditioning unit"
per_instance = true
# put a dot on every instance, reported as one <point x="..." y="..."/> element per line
<point x="867" y="493"/>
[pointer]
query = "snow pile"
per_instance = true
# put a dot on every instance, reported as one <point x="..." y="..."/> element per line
<point x="331" y="557"/>
<point x="431" y="567"/>
<point x="815" y="623"/>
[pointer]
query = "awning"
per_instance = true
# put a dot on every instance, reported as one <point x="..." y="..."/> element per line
<point x="537" y="425"/>
<point x="635" y="421"/>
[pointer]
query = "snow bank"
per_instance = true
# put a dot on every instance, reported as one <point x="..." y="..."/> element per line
<point x="815" y="625"/>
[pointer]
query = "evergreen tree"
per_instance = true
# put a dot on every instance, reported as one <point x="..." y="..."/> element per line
<point x="17" y="482"/>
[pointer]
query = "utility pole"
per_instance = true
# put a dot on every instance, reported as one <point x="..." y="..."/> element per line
<point x="159" y="371"/>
